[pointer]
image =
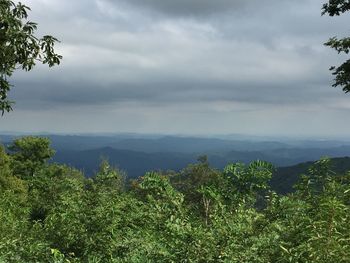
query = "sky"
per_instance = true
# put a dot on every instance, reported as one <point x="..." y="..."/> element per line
<point x="184" y="67"/>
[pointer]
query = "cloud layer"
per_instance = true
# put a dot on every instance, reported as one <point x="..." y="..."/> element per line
<point x="144" y="63"/>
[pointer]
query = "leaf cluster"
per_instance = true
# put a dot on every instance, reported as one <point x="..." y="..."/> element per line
<point x="20" y="47"/>
<point x="342" y="72"/>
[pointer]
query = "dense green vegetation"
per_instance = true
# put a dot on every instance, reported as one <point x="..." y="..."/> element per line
<point x="52" y="213"/>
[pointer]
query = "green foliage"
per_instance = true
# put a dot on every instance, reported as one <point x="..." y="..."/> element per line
<point x="199" y="183"/>
<point x="29" y="154"/>
<point x="158" y="191"/>
<point x="8" y="182"/>
<point x="109" y="178"/>
<point x="49" y="185"/>
<point x="336" y="7"/>
<point x="243" y="182"/>
<point x="195" y="176"/>
<point x="4" y="162"/>
<point x="342" y="72"/>
<point x="20" y="47"/>
<point x="314" y="220"/>
<point x="198" y="215"/>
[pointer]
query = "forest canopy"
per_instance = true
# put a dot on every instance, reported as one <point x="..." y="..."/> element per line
<point x="53" y="213"/>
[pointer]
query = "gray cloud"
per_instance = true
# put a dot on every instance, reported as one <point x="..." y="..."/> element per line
<point x="187" y="7"/>
<point x="199" y="8"/>
<point x="151" y="61"/>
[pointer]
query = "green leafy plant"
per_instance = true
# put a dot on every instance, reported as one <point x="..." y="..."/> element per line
<point x="20" y="47"/>
<point x="342" y="45"/>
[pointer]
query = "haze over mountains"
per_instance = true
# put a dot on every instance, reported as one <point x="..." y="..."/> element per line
<point x="137" y="154"/>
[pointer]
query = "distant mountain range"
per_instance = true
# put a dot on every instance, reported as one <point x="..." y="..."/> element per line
<point x="137" y="154"/>
<point x="137" y="163"/>
<point x="134" y="163"/>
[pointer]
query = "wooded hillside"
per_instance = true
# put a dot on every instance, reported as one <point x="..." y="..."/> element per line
<point x="52" y="213"/>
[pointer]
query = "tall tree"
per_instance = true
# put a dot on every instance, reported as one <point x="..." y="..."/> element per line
<point x="20" y="47"/>
<point x="341" y="45"/>
<point x="29" y="154"/>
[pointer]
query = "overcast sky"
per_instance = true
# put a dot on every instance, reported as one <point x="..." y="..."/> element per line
<point x="184" y="66"/>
